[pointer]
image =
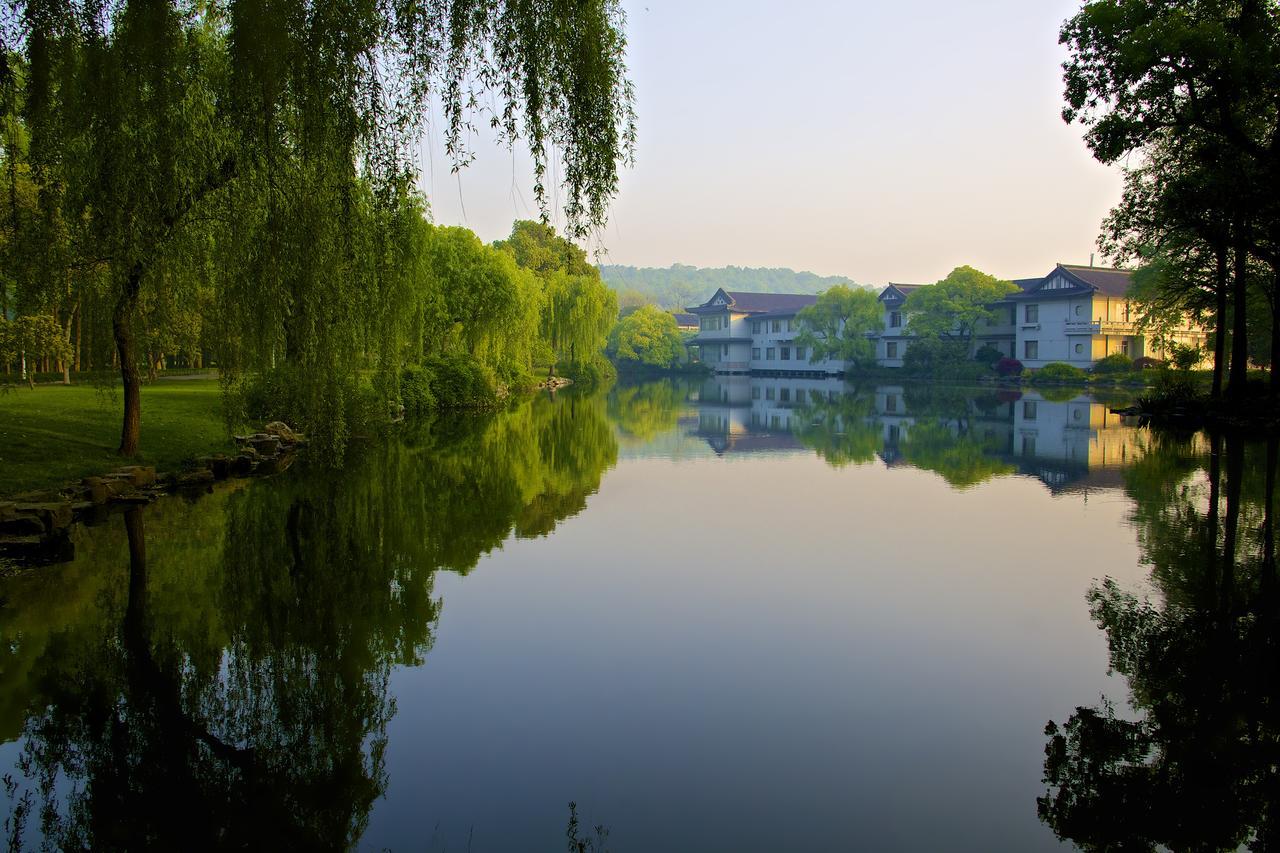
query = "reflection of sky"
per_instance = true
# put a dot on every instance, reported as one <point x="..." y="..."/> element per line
<point x="765" y="655"/>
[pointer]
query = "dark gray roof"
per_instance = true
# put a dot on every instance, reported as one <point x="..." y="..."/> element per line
<point x="894" y="291"/>
<point x="1109" y="282"/>
<point x="758" y="303"/>
<point x="683" y="319"/>
<point x="753" y="303"/>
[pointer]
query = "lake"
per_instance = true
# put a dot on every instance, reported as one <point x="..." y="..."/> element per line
<point x="737" y="614"/>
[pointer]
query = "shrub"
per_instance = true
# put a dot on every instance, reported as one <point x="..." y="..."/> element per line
<point x="1186" y="357"/>
<point x="1171" y="391"/>
<point x="1117" y="362"/>
<point x="987" y="355"/>
<point x="1147" y="363"/>
<point x="940" y="358"/>
<point x="459" y="382"/>
<point x="1009" y="367"/>
<point x="415" y="391"/>
<point x="1059" y="372"/>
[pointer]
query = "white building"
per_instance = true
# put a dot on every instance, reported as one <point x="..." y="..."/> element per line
<point x="1076" y="315"/>
<point x="756" y="333"/>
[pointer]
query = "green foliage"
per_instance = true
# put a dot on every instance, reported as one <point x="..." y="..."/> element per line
<point x="415" y="391"/>
<point x="836" y="326"/>
<point x="459" y="382"/>
<point x="1059" y="372"/>
<point x="953" y="308"/>
<point x="1117" y="362"/>
<point x="646" y="337"/>
<point x="1185" y="357"/>
<point x="1171" y="390"/>
<point x="987" y="355"/>
<point x="680" y="286"/>
<point x="238" y="181"/>
<point x="941" y="359"/>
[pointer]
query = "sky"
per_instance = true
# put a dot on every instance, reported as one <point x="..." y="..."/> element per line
<point x="878" y="141"/>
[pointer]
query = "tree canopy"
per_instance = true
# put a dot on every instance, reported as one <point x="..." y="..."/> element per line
<point x="238" y="179"/>
<point x="952" y="309"/>
<point x="836" y="326"/>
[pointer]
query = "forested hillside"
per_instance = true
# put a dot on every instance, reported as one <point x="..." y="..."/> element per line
<point x="679" y="285"/>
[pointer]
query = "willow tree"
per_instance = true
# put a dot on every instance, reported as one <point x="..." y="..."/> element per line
<point x="284" y="129"/>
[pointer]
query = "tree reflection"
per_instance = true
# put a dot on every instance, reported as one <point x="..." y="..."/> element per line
<point x="232" y="688"/>
<point x="1197" y="766"/>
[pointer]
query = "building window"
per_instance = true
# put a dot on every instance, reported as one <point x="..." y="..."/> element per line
<point x="784" y="395"/>
<point x="895" y="320"/>
<point x="1079" y="310"/>
<point x="755" y="353"/>
<point x="768" y="393"/>
<point x="1079" y="349"/>
<point x="1028" y="445"/>
<point x="1124" y="347"/>
<point x="724" y="350"/>
<point x="755" y="392"/>
<point x="1029" y="410"/>
<point x="1030" y="349"/>
<point x="891" y="349"/>
<point x="788" y="324"/>
<point x="755" y="327"/>
<point x="891" y="402"/>
<point x="768" y="354"/>
<point x="1033" y="313"/>
<point x="786" y="353"/>
<point x="777" y="325"/>
<point x="799" y="353"/>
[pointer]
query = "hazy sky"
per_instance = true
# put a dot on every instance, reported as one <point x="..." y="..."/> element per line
<point x="881" y="141"/>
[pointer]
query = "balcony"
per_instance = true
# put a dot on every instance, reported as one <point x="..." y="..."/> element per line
<point x="1101" y="327"/>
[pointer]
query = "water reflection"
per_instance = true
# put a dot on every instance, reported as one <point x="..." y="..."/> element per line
<point x="1196" y="764"/>
<point x="224" y="681"/>
<point x="221" y="672"/>
<point x="1069" y="440"/>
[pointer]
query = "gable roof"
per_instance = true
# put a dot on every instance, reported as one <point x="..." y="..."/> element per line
<point x="683" y="319"/>
<point x="1103" y="280"/>
<point x="898" y="291"/>
<point x="1109" y="282"/>
<point x="756" y="303"/>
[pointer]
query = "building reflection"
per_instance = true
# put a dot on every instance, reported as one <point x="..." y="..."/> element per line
<point x="1068" y="440"/>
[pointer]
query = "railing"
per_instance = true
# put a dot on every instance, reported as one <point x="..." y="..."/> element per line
<point x="729" y="366"/>
<point x="1101" y="327"/>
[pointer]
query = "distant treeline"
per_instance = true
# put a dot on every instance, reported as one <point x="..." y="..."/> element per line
<point x="678" y="285"/>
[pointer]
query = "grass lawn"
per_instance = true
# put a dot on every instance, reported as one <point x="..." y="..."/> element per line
<point x="58" y="433"/>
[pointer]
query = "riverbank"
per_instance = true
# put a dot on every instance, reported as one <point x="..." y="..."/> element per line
<point x="59" y="433"/>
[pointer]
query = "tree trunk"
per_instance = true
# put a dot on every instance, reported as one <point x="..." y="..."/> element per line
<point x="122" y="328"/>
<point x="1237" y="382"/>
<point x="1273" y="380"/>
<point x="1220" y="323"/>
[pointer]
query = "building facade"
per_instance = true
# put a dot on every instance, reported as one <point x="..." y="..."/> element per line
<point x="1075" y="315"/>
<point x="756" y="333"/>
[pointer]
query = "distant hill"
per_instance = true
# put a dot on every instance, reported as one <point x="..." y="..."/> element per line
<point x="678" y="285"/>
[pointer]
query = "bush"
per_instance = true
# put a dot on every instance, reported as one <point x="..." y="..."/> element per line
<point x="1171" y="391"/>
<point x="1059" y="372"/>
<point x="1117" y="362"/>
<point x="1147" y="363"/>
<point x="987" y="355"/>
<point x="415" y="391"/>
<point x="459" y="382"/>
<point x="940" y="359"/>
<point x="1186" y="357"/>
<point x="1009" y="367"/>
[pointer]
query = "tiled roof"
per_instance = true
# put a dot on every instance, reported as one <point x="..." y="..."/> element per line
<point x="683" y="319"/>
<point x="753" y="303"/>
<point x="1109" y="282"/>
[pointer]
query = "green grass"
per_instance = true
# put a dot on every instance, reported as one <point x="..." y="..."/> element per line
<point x="59" y="433"/>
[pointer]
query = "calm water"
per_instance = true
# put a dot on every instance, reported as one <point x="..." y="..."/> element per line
<point x="750" y="614"/>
